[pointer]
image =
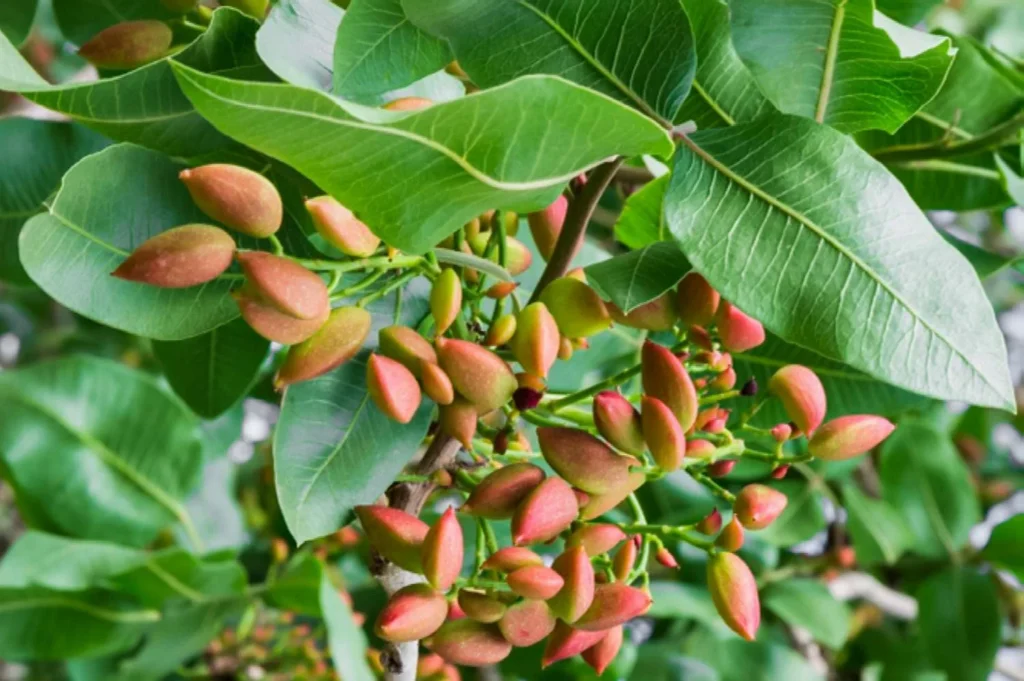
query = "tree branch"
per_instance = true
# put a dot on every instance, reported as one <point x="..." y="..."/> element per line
<point x="989" y="140"/>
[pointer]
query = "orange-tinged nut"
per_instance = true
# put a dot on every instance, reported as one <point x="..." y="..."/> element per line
<point x="696" y="301"/>
<point x="613" y="604"/>
<point x="442" y="552"/>
<point x="734" y="593"/>
<point x="238" y="197"/>
<point x="394" y="534"/>
<point x="599" y="504"/>
<point x="665" y="438"/>
<point x="500" y="493"/>
<point x="501" y="289"/>
<point x="603" y="653"/>
<point x="340" y="228"/>
<point x="412" y="613"/>
<point x="699" y="449"/>
<point x="511" y="558"/>
<point x="446" y="299"/>
<point x="757" y="506"/>
<point x="575" y="597"/>
<point x="128" y="45"/>
<point x="535" y="581"/>
<point x="481" y="606"/>
<point x="726" y="380"/>
<point x="536" y="341"/>
<point x="802" y="396"/>
<point x="738" y="331"/>
<point x="849" y="436"/>
<point x="618" y="422"/>
<point x="501" y="331"/>
<point x="583" y="460"/>
<point x="429" y="665"/>
<point x="436" y="383"/>
<point x="782" y="432"/>
<point x="665" y="558"/>
<point x="408" y="104"/>
<point x="458" y="420"/>
<point x="180" y="257"/>
<point x="624" y="560"/>
<point x="665" y="378"/>
<point x="711" y="523"/>
<point x="526" y="623"/>
<point x="470" y="643"/>
<point x="272" y="324"/>
<point x="545" y="512"/>
<point x="656" y="315"/>
<point x="284" y="284"/>
<point x="731" y="537"/>
<point x="546" y="225"/>
<point x="576" y="308"/>
<point x="404" y="345"/>
<point x="478" y="374"/>
<point x="393" y="388"/>
<point x="596" y="538"/>
<point x="566" y="641"/>
<point x="334" y="343"/>
<point x="565" y="349"/>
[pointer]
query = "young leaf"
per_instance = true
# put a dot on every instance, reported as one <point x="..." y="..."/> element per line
<point x="1005" y="547"/>
<point x="632" y="279"/>
<point x="16" y="19"/>
<point x="808" y="604"/>
<point x="878" y="532"/>
<point x="639" y="51"/>
<point x="345" y="639"/>
<point x="805" y="232"/>
<point x="297" y="40"/>
<point x="511" y="147"/>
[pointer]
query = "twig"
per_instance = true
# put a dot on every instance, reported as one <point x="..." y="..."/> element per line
<point x="990" y="139"/>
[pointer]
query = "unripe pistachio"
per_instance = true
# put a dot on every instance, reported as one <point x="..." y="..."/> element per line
<point x="732" y="536"/>
<point x="511" y="558"/>
<point x="340" y="228"/>
<point x="334" y="343"/>
<point x="665" y="438"/>
<point x="596" y="538"/>
<point x="576" y="596"/>
<point x="602" y="654"/>
<point x="599" y="504"/>
<point x="412" y="613"/>
<point x="757" y="506"/>
<point x="498" y="495"/>
<point x="441" y="477"/>
<point x="536" y="341"/>
<point x="254" y="8"/>
<point x="458" y="420"/>
<point x="404" y="345"/>
<point x="738" y="331"/>
<point x="707" y="416"/>
<point x="408" y="104"/>
<point x="779" y="472"/>
<point x="699" y="449"/>
<point x="849" y="436"/>
<point x="436" y="383"/>
<point x="180" y="257"/>
<point x="802" y="396"/>
<point x="566" y="641"/>
<point x="394" y="534"/>
<point x="285" y="284"/>
<point x="238" y="197"/>
<point x="656" y="315"/>
<point x="613" y="604"/>
<point x="781" y="432"/>
<point x="536" y="582"/>
<point x="446" y="299"/>
<point x="501" y="289"/>
<point x="582" y="498"/>
<point x="545" y="512"/>
<point x="127" y="45"/>
<point x="546" y="225"/>
<point x="711" y="523"/>
<point x="526" y="623"/>
<point x="501" y="331"/>
<point x="429" y="665"/>
<point x="517" y="256"/>
<point x="583" y="460"/>
<point x="393" y="388"/>
<point x="665" y="377"/>
<point x="565" y="349"/>
<point x="442" y="552"/>
<point x="734" y="592"/>
<point x="725" y="380"/>
<point x="478" y="374"/>
<point x="470" y="229"/>
<point x="625" y="558"/>
<point x="699" y="336"/>
<point x="272" y="324"/>
<point x="696" y="301"/>
<point x="576" y="307"/>
<point x="480" y="606"/>
<point x="470" y="643"/>
<point x="449" y="673"/>
<point x="455" y="611"/>
<point x="279" y="550"/>
<point x="665" y="558"/>
<point x="618" y="422"/>
<point x="720" y="469"/>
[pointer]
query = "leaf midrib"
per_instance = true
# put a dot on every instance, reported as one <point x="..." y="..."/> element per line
<point x="308" y="488"/>
<point x="831" y="55"/>
<point x="118" y="617"/>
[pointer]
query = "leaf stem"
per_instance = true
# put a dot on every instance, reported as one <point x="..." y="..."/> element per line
<point x="376" y="262"/>
<point x="990" y="139"/>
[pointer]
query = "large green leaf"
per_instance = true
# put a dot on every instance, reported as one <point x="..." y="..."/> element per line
<point x="801" y="229"/>
<point x="103" y="449"/>
<point x="80" y="20"/>
<point x="297" y="41"/>
<point x="878" y="532"/>
<point x="737" y="660"/>
<point x="960" y="622"/>
<point x="36" y="155"/>
<point x="213" y="371"/>
<point x="632" y="279"/>
<point x="414" y="178"/>
<point x="16" y="19"/>
<point x="638" y="51"/>
<point x="642" y="220"/>
<point x="839" y="62"/>
<point x="1005" y="548"/>
<point x="924" y="478"/>
<point x="146" y="106"/>
<point x="378" y="49"/>
<point x="345" y="639"/>
<point x="807" y="603"/>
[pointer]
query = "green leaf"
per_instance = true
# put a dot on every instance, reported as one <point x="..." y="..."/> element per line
<point x="103" y="449"/>
<point x="802" y="519"/>
<point x="662" y="661"/>
<point x="808" y="604"/>
<point x="146" y="106"/>
<point x="346" y="641"/>
<point x="676" y="600"/>
<point x="378" y="49"/>
<point x="642" y="220"/>
<point x="36" y="155"/>
<point x="960" y="622"/>
<point x="16" y="19"/>
<point x="724" y="91"/>
<point x="925" y="480"/>
<point x="108" y="204"/>
<point x="805" y="232"/>
<point x="213" y="371"/>
<point x="444" y="164"/>
<point x="639" y="51"/>
<point x="638" y="277"/>
<point x="878" y="532"/>
<point x="1013" y="182"/>
<point x="80" y="20"/>
<point x="297" y="41"/>
<point x="738" y="660"/>
<point x="839" y="62"/>
<point x="906" y="11"/>
<point x="38" y="624"/>
<point x="298" y="586"/>
<point x="1005" y="547"/>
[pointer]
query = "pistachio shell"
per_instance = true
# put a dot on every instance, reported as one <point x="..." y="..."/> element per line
<point x="404" y="345"/>
<point x="408" y="104"/>
<point x="618" y="422"/>
<point x="272" y="324"/>
<point x="665" y="378"/>
<point x="238" y="197"/>
<point x="394" y="534"/>
<point x="458" y="420"/>
<point x="535" y="581"/>
<point x="340" y="228"/>
<point x="596" y="538"/>
<point x="545" y="512"/>
<point x="734" y="593"/>
<point x="502" y="331"/>
<point x="127" y="45"/>
<point x="546" y="225"/>
<point x="478" y="374"/>
<point x="412" y="613"/>
<point x="603" y="654"/>
<point x="446" y="299"/>
<point x="284" y="284"/>
<point x="624" y="560"/>
<point x="696" y="301"/>
<point x="442" y="552"/>
<point x="583" y="460"/>
<point x="575" y="597"/>
<point x="665" y="438"/>
<point x="180" y="257"/>
<point x="849" y="436"/>
<point x="480" y="606"/>
<point x="334" y="343"/>
<point x="802" y="396"/>
<point x="526" y="623"/>
<point x="500" y="493"/>
<point x="393" y="388"/>
<point x="536" y="341"/>
<point x="613" y="604"/>
<point x="566" y="641"/>
<point x="436" y="383"/>
<point x="577" y="309"/>
<point x="711" y="523"/>
<point x="757" y="506"/>
<point x="656" y="315"/>
<point x="599" y="504"/>
<point x="470" y="643"/>
<point x="738" y="331"/>
<point x="732" y="536"/>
